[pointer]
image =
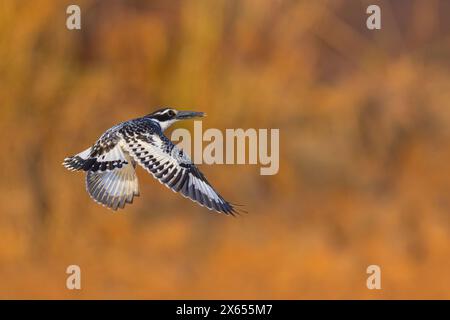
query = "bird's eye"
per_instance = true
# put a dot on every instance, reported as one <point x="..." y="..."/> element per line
<point x="170" y="113"/>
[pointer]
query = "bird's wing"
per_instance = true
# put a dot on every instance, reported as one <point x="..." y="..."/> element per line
<point x="173" y="168"/>
<point x="111" y="178"/>
<point x="113" y="188"/>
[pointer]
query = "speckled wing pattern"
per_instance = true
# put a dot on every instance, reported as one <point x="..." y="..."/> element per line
<point x="111" y="178"/>
<point x="113" y="188"/>
<point x="173" y="168"/>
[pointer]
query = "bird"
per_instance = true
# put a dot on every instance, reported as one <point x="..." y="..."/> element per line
<point x="110" y="163"/>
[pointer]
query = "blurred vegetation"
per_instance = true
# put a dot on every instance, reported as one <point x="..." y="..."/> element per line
<point x="364" y="123"/>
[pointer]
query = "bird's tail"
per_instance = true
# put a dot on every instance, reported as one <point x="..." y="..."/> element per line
<point x="78" y="161"/>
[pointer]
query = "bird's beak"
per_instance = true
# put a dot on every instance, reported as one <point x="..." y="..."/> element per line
<point x="189" y="114"/>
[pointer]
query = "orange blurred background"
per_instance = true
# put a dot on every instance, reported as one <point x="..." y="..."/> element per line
<point x="364" y="123"/>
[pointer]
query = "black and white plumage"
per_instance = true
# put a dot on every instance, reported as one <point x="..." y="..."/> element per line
<point x="110" y="163"/>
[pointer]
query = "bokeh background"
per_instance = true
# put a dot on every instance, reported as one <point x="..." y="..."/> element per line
<point x="364" y="121"/>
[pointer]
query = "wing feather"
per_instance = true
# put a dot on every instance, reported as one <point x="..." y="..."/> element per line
<point x="173" y="168"/>
<point x="113" y="188"/>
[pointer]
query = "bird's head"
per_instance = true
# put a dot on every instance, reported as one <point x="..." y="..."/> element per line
<point x="167" y="116"/>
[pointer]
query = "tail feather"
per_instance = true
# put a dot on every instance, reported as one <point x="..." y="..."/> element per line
<point x="87" y="161"/>
<point x="78" y="161"/>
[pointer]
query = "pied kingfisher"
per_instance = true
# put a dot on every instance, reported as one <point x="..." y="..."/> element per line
<point x="110" y="163"/>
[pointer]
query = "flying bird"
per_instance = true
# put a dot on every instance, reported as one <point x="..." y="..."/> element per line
<point x="111" y="162"/>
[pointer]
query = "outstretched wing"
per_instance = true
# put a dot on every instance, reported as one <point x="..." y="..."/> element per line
<point x="113" y="188"/>
<point x="110" y="173"/>
<point x="173" y="168"/>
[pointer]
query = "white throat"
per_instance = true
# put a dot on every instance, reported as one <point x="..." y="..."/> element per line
<point x="165" y="124"/>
